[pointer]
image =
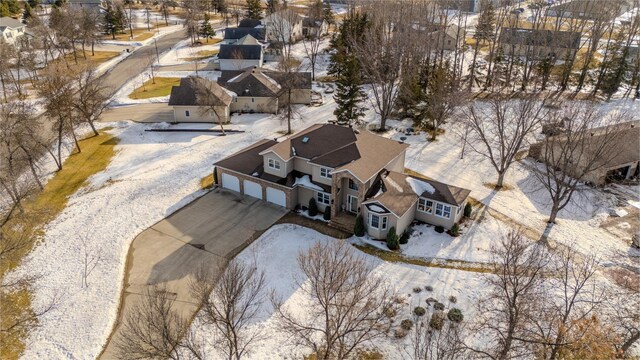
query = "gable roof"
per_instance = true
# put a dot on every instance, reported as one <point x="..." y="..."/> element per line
<point x="7" y="22"/>
<point x="238" y="33"/>
<point x="299" y="80"/>
<point x="538" y="37"/>
<point x="239" y="52"/>
<point x="247" y="40"/>
<point x="249" y="23"/>
<point x="185" y="93"/>
<point x="285" y="14"/>
<point x="247" y="161"/>
<point x="253" y="83"/>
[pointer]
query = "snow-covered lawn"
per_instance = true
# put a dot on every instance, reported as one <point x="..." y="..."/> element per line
<point x="182" y="51"/>
<point x="275" y="252"/>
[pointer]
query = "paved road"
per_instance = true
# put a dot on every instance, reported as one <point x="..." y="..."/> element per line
<point x="155" y="112"/>
<point x="138" y="61"/>
<point x="206" y="232"/>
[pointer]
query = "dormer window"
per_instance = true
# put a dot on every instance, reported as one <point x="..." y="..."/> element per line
<point x="274" y="164"/>
<point x="325" y="173"/>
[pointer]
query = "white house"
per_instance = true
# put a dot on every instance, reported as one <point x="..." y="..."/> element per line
<point x="11" y="29"/>
<point x="245" y="53"/>
<point x="283" y="27"/>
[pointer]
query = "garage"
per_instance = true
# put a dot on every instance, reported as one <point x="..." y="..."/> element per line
<point x="276" y="196"/>
<point x="253" y="189"/>
<point x="230" y="182"/>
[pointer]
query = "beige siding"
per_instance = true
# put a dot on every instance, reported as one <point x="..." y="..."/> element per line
<point x="298" y="96"/>
<point x="239" y="64"/>
<point x="302" y="165"/>
<point x="197" y="114"/>
<point x="315" y="176"/>
<point x="256" y="104"/>
<point x="397" y="164"/>
<point x="285" y="166"/>
<point x="291" y="194"/>
<point x="434" y="219"/>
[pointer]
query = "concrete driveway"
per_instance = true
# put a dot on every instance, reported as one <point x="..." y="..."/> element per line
<point x="206" y="232"/>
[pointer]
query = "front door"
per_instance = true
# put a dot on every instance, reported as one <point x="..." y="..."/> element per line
<point x="353" y="204"/>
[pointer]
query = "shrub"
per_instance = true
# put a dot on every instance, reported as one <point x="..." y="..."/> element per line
<point x="439" y="229"/>
<point x="417" y="289"/>
<point x="313" y="207"/>
<point x="455" y="315"/>
<point x="400" y="333"/>
<point x="437" y="320"/>
<point x="358" y="229"/>
<point x="453" y="299"/>
<point x="438" y="306"/>
<point x="467" y="210"/>
<point x="404" y="238"/>
<point x="428" y="288"/>
<point x="392" y="239"/>
<point x="406" y="324"/>
<point x="419" y="311"/>
<point x="327" y="213"/>
<point x="455" y="230"/>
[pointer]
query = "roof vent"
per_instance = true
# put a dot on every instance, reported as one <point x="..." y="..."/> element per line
<point x="305" y="140"/>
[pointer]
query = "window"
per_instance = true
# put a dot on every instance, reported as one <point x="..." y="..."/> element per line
<point x="253" y="100"/>
<point x="325" y="173"/>
<point x="186" y="113"/>
<point x="274" y="164"/>
<point x="353" y="185"/>
<point x="425" y="205"/>
<point x="443" y="210"/>
<point x="378" y="222"/>
<point x="323" y="198"/>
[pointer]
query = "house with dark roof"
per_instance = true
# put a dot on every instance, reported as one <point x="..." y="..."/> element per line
<point x="539" y="43"/>
<point x="249" y="23"/>
<point x="244" y="54"/>
<point x="250" y="91"/>
<point x="283" y="27"/>
<point x="11" y="28"/>
<point x="590" y="9"/>
<point x="232" y="35"/>
<point x="351" y="172"/>
<point x="314" y="27"/>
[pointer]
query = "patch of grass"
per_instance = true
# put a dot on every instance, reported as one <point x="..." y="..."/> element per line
<point x="202" y="54"/>
<point x="493" y="186"/>
<point x="140" y="34"/>
<point x="416" y="174"/>
<point x="39" y="210"/>
<point x="96" y="58"/>
<point x="162" y="87"/>
<point x="206" y="182"/>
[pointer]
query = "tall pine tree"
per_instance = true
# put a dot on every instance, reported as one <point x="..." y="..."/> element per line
<point x="349" y="95"/>
<point x="206" y="30"/>
<point x="254" y="9"/>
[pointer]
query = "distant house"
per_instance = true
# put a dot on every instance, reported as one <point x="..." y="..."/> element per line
<point x="351" y="172"/>
<point x="539" y="43"/>
<point x="11" y="28"/>
<point x="623" y="164"/>
<point x="471" y="6"/>
<point x="249" y="91"/>
<point x="185" y="104"/>
<point x="315" y="28"/>
<point x="245" y="53"/>
<point x="249" y="23"/>
<point x="448" y="38"/>
<point x="283" y="26"/>
<point x="232" y="35"/>
<point x="91" y="4"/>
<point x="581" y="9"/>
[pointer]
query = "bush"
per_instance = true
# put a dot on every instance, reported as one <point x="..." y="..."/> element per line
<point x="467" y="210"/>
<point x="419" y="311"/>
<point x="453" y="299"/>
<point x="439" y="229"/>
<point x="438" y="306"/>
<point x="313" y="207"/>
<point x="404" y="238"/>
<point x="400" y="333"/>
<point x="392" y="239"/>
<point x="455" y="230"/>
<point x="437" y="320"/>
<point x="327" y="213"/>
<point x="417" y="289"/>
<point x="455" y="315"/>
<point x="358" y="229"/>
<point x="428" y="288"/>
<point x="406" y="324"/>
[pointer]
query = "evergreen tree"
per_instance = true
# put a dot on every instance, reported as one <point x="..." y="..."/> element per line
<point x="33" y="3"/>
<point x="485" y="31"/>
<point x="206" y="30"/>
<point x="115" y="20"/>
<point x="327" y="14"/>
<point x="272" y="6"/>
<point x="28" y="12"/>
<point x="616" y="67"/>
<point x="254" y="9"/>
<point x="349" y="95"/>
<point x="10" y="7"/>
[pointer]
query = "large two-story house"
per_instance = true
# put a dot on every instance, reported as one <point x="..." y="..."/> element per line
<point x="352" y="172"/>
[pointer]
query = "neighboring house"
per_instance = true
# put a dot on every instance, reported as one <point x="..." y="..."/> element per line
<point x="11" y="28"/>
<point x="232" y="35"/>
<point x="249" y="23"/>
<point x="471" y="6"/>
<point x="448" y="38"/>
<point x="314" y="28"/>
<point x="589" y="9"/>
<point x="245" y="53"/>
<point x="622" y="165"/>
<point x="539" y="43"/>
<point x="283" y="26"/>
<point x="186" y="108"/>
<point x="249" y="91"/>
<point x="349" y="171"/>
<point x="86" y="3"/>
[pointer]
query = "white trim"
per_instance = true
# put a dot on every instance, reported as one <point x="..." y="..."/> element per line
<point x="265" y="152"/>
<point x="349" y="197"/>
<point x="276" y="164"/>
<point x="383" y="220"/>
<point x="323" y="193"/>
<point x="374" y="175"/>
<point x="433" y="204"/>
<point x="328" y="171"/>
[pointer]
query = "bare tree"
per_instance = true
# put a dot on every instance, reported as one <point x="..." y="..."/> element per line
<point x="153" y="329"/>
<point x="500" y="128"/>
<point x="579" y="151"/>
<point x="229" y="305"/>
<point x="289" y="80"/>
<point x="91" y="257"/>
<point x="91" y="97"/>
<point x="212" y="99"/>
<point x="348" y="305"/>
<point x="622" y="308"/>
<point x="429" y="343"/>
<point x="313" y="38"/>
<point x="513" y="294"/>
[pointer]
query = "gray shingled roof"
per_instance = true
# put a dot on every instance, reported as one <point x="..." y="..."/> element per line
<point x="249" y="23"/>
<point x="235" y="52"/>
<point x="251" y="83"/>
<point x="185" y="94"/>
<point x="10" y="23"/>
<point x="237" y="33"/>
<point x="247" y="161"/>
<point x="536" y="37"/>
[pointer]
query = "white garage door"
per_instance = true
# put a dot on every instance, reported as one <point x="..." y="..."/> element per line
<point x="253" y="189"/>
<point x="230" y="182"/>
<point x="276" y="196"/>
